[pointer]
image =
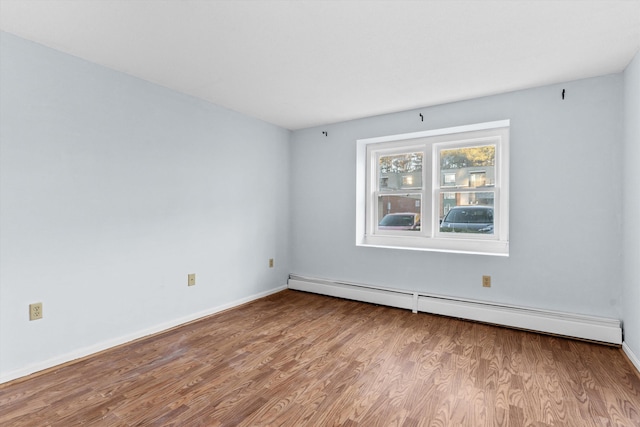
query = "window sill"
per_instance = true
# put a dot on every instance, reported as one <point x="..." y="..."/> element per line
<point x="458" y="245"/>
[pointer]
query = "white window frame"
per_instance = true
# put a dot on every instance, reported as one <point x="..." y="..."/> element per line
<point x="429" y="238"/>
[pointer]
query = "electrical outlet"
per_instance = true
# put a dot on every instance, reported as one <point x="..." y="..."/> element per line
<point x="191" y="279"/>
<point x="486" y="281"/>
<point x="35" y="311"/>
<point x="270" y="262"/>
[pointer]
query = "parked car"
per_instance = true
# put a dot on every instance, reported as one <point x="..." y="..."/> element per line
<point x="468" y="219"/>
<point x="400" y="221"/>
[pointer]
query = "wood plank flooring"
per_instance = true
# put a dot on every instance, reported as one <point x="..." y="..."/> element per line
<point x="299" y="359"/>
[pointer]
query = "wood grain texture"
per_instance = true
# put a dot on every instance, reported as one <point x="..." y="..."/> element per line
<point x="299" y="359"/>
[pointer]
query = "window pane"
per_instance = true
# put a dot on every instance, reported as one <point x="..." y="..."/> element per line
<point x="399" y="212"/>
<point x="400" y="171"/>
<point x="468" y="167"/>
<point x="463" y="212"/>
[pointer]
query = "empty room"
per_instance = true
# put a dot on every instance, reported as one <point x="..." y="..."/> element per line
<point x="319" y="213"/>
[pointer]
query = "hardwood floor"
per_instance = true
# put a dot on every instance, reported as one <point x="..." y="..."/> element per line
<point x="299" y="359"/>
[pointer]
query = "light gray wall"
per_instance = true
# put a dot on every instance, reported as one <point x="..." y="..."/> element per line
<point x="631" y="203"/>
<point x="565" y="202"/>
<point x="112" y="191"/>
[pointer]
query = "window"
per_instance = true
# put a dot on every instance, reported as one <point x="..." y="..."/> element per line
<point x="449" y="179"/>
<point x="441" y="190"/>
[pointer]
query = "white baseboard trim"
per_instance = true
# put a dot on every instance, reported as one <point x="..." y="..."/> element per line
<point x="590" y="328"/>
<point x="105" y="345"/>
<point x="632" y="357"/>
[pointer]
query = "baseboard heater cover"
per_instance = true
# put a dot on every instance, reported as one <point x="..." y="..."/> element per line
<point x="590" y="328"/>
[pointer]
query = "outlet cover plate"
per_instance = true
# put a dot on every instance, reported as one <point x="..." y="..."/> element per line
<point x="35" y="311"/>
<point x="486" y="281"/>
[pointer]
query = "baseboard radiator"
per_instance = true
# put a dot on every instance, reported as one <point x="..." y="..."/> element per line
<point x="589" y="328"/>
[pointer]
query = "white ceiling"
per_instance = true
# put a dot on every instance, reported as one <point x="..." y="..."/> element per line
<point x="305" y="63"/>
